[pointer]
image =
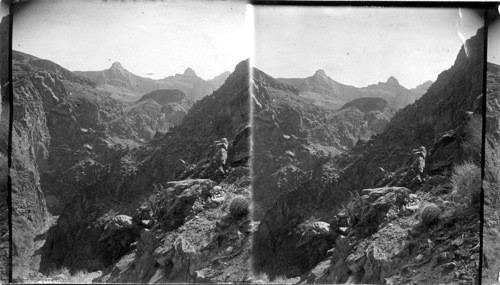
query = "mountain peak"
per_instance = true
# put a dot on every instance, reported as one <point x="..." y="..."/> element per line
<point x="189" y="72"/>
<point x="392" y="81"/>
<point x="320" y="72"/>
<point x="117" y="65"/>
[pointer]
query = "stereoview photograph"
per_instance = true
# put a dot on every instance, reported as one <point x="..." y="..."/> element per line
<point x="235" y="142"/>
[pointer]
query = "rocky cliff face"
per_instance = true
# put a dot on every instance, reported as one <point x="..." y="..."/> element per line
<point x="293" y="136"/>
<point x="128" y="87"/>
<point x="491" y="183"/>
<point x="323" y="91"/>
<point x="342" y="223"/>
<point x="210" y="143"/>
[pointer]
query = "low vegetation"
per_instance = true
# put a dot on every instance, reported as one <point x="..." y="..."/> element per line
<point x="466" y="181"/>
<point x="239" y="207"/>
<point x="430" y="214"/>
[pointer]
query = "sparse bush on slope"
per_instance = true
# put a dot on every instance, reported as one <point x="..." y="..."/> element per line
<point x="473" y="142"/>
<point x="239" y="207"/>
<point x="430" y="214"/>
<point x="466" y="180"/>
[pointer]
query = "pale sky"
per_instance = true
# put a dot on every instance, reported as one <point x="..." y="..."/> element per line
<point x="149" y="39"/>
<point x="360" y="46"/>
<point x="494" y="42"/>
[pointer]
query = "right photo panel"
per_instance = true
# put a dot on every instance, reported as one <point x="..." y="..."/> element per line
<point x="491" y="182"/>
<point x="367" y="142"/>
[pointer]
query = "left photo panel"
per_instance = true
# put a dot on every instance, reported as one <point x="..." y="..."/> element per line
<point x="130" y="142"/>
<point x="4" y="143"/>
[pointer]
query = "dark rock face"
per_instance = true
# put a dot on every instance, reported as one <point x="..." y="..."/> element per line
<point x="323" y="91"/>
<point x="491" y="180"/>
<point x="384" y="161"/>
<point x="292" y="136"/>
<point x="74" y="241"/>
<point x="128" y="87"/>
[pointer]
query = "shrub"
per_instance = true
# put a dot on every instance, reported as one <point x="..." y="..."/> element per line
<point x="430" y="214"/>
<point x="473" y="141"/>
<point x="239" y="207"/>
<point x="466" y="181"/>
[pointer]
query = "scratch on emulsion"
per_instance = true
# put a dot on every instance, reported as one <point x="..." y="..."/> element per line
<point x="460" y="34"/>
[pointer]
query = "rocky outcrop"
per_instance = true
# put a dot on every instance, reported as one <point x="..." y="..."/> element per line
<point x="128" y="87"/>
<point x="380" y="162"/>
<point x="206" y="245"/>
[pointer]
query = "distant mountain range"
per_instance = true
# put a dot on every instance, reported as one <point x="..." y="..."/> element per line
<point x="128" y="87"/>
<point x="323" y="91"/>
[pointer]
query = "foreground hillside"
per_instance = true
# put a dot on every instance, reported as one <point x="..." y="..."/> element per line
<point x="400" y="208"/>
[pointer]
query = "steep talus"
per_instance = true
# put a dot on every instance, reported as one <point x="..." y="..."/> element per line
<point x="491" y="181"/>
<point x="323" y="91"/>
<point x="128" y="87"/>
<point x="416" y="153"/>
<point x="210" y="143"/>
<point x="292" y="136"/>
